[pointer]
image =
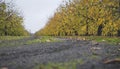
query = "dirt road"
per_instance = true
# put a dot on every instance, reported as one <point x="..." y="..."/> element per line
<point x="94" y="54"/>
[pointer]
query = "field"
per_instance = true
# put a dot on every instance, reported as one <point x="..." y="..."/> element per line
<point x="45" y="52"/>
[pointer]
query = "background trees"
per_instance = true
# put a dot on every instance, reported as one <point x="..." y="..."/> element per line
<point x="85" y="17"/>
<point x="11" y="21"/>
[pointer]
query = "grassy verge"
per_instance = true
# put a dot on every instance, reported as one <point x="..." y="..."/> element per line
<point x="65" y="65"/>
<point x="12" y="37"/>
<point x="109" y="40"/>
<point x="43" y="39"/>
<point x="25" y="40"/>
<point x="12" y="40"/>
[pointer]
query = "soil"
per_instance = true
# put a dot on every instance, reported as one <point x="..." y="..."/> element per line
<point x="95" y="55"/>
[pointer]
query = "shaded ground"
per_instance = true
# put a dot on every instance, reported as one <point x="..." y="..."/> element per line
<point x="93" y="54"/>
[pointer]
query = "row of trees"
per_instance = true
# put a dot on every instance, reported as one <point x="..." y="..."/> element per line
<point x="11" y="21"/>
<point x="85" y="17"/>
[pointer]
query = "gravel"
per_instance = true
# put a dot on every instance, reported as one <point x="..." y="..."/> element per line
<point x="28" y="56"/>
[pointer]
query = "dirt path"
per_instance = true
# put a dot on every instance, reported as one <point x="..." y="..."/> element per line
<point x="28" y="56"/>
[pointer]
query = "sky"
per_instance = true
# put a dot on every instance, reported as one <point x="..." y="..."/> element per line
<point x="37" y="12"/>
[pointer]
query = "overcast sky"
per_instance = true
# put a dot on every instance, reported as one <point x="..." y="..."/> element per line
<point x="37" y="12"/>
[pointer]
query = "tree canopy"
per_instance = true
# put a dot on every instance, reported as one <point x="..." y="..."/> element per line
<point x="11" y="21"/>
<point x="85" y="17"/>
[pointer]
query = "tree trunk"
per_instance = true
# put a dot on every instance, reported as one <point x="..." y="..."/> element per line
<point x="99" y="32"/>
<point x="118" y="32"/>
<point x="86" y="28"/>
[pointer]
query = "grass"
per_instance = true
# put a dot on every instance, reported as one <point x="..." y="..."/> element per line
<point x="106" y="39"/>
<point x="94" y="57"/>
<point x="109" y="40"/>
<point x="12" y="40"/>
<point x="7" y="41"/>
<point x="25" y="40"/>
<point x="43" y="40"/>
<point x="65" y="65"/>
<point x="12" y="37"/>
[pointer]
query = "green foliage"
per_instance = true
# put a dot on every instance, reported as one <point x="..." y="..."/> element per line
<point x="11" y="21"/>
<point x="84" y="17"/>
